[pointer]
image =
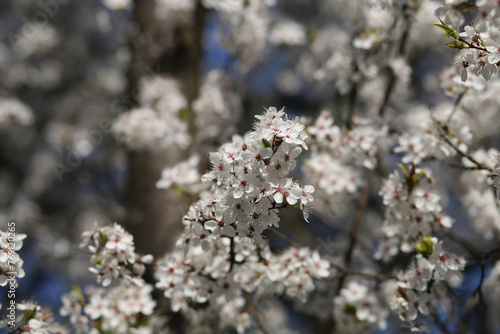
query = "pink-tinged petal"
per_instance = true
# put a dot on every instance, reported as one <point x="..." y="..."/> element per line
<point x="278" y="197"/>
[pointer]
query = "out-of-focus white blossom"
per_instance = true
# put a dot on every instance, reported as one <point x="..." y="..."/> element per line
<point x="12" y="110"/>
<point x="117" y="4"/>
<point x="288" y="33"/>
<point x="36" y="38"/>
<point x="174" y="12"/>
<point x="159" y="122"/>
<point x="358" y="309"/>
<point x="217" y="108"/>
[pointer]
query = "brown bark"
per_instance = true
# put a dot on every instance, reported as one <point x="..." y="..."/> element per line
<point x="154" y="216"/>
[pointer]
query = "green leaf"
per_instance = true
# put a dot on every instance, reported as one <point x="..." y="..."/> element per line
<point x="425" y="247"/>
<point x="79" y="294"/>
<point x="349" y="309"/>
<point x="29" y="314"/>
<point x="448" y="30"/>
<point x="402" y="292"/>
<point x="403" y="168"/>
<point x="417" y="177"/>
<point x="183" y="114"/>
<point x="103" y="237"/>
<point x="265" y="143"/>
<point x="178" y="190"/>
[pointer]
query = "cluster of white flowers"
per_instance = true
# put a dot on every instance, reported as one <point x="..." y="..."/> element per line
<point x="160" y="121"/>
<point x="249" y="184"/>
<point x="14" y="110"/>
<point x="120" y="309"/>
<point x="473" y="95"/>
<point x="118" y="306"/>
<point x="411" y="295"/>
<point x="334" y="166"/>
<point x="376" y="28"/>
<point x="481" y="41"/>
<point x="413" y="210"/>
<point x="113" y="255"/>
<point x="334" y="182"/>
<point x="359" y="310"/>
<point x="328" y="60"/>
<point x="359" y="145"/>
<point x="221" y="251"/>
<point x="424" y="137"/>
<point x="347" y="57"/>
<point x="205" y="277"/>
<point x="217" y="277"/>
<point x="294" y="271"/>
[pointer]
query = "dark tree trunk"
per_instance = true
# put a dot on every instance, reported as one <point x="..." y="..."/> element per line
<point x="154" y="216"/>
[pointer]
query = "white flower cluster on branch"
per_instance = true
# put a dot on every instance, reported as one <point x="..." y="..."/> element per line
<point x="481" y="41"/>
<point x="221" y="276"/>
<point x="113" y="255"/>
<point x="249" y="183"/>
<point x="120" y="309"/>
<point x="124" y="303"/>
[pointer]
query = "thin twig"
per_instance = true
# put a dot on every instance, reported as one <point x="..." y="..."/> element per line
<point x="232" y="255"/>
<point x="455" y="106"/>
<point x="359" y="218"/>
<point x="477" y="164"/>
<point x="285" y="238"/>
<point x="352" y="97"/>
<point x="392" y="76"/>
<point x="388" y="91"/>
<point x="356" y="229"/>
<point x="253" y="311"/>
<point x="432" y="158"/>
<point x="472" y="46"/>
